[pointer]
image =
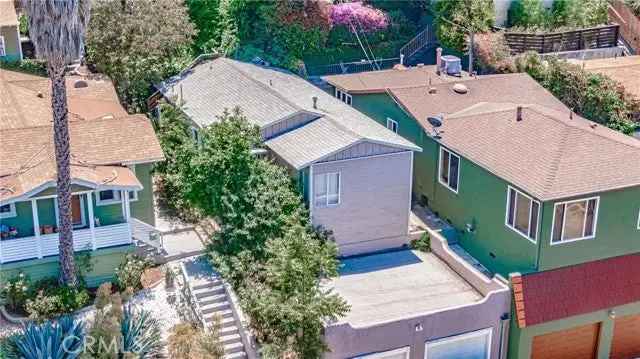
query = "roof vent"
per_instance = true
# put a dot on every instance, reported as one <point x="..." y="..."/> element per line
<point x="433" y="90"/>
<point x="315" y="102"/>
<point x="460" y="88"/>
<point x="80" y="84"/>
<point x="451" y="65"/>
<point x="519" y="113"/>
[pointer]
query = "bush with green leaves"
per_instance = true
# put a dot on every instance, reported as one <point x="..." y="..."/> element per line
<point x="57" y="339"/>
<point x="15" y="292"/>
<point x="189" y="341"/>
<point x="531" y="15"/>
<point x="129" y="272"/>
<point x="422" y="244"/>
<point x="456" y="18"/>
<point x="29" y="66"/>
<point x="54" y="300"/>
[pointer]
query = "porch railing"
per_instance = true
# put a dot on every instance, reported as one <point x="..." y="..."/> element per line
<point x="18" y="249"/>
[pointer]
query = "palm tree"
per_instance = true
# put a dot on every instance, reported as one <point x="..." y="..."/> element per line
<point x="57" y="29"/>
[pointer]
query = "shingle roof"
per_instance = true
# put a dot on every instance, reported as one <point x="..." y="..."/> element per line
<point x="547" y="154"/>
<point x="97" y="146"/>
<point x="380" y="81"/>
<point x="268" y="95"/>
<point x="25" y="100"/>
<point x="514" y="88"/>
<point x="8" y="15"/>
<point x="585" y="288"/>
<point x="624" y="69"/>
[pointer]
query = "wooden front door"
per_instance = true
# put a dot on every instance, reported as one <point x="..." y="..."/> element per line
<point x="76" y="210"/>
<point x="626" y="338"/>
<point x="574" y="343"/>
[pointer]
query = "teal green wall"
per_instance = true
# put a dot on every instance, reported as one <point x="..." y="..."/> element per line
<point x="12" y="43"/>
<point x="520" y="340"/>
<point x="104" y="263"/>
<point x="142" y="209"/>
<point x="23" y="220"/>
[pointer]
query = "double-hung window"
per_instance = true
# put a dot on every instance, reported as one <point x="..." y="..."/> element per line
<point x="110" y="196"/>
<point x="326" y="189"/>
<point x="449" y="172"/>
<point x="8" y="210"/>
<point x="574" y="220"/>
<point x="343" y="96"/>
<point x="523" y="213"/>
<point x="392" y="125"/>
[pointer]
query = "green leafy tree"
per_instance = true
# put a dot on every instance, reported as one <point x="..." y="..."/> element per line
<point x="528" y="14"/>
<point x="455" y="18"/>
<point x="138" y="43"/>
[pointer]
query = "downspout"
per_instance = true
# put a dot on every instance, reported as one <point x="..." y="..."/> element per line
<point x="504" y="328"/>
<point x="540" y="239"/>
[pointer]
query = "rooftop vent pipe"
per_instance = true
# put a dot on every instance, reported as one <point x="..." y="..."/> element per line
<point x="519" y="113"/>
<point x="315" y="102"/>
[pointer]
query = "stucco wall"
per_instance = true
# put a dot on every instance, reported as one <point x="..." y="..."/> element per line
<point x="373" y="212"/>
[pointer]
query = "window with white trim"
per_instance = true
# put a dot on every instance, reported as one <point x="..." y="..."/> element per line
<point x="3" y="51"/>
<point x="133" y="196"/>
<point x="401" y="353"/>
<point x="392" y="125"/>
<point x="326" y="189"/>
<point x="474" y="345"/>
<point x="574" y="220"/>
<point x="8" y="210"/>
<point x="343" y="96"/>
<point x="523" y="213"/>
<point x="449" y="169"/>
<point x="111" y="196"/>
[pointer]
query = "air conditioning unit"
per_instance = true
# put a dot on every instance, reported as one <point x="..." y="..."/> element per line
<point x="451" y="65"/>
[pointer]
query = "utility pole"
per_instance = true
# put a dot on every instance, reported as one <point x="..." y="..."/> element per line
<point x="471" y="53"/>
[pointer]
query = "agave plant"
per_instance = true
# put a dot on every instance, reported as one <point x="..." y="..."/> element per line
<point x="60" y="339"/>
<point x="140" y="333"/>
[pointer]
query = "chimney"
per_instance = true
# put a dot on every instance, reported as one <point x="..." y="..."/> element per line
<point x="571" y="114"/>
<point x="315" y="102"/>
<point x="519" y="113"/>
<point x="438" y="59"/>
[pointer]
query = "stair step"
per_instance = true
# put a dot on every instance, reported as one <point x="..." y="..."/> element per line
<point x="229" y="330"/>
<point x="224" y="322"/>
<point x="231" y="338"/>
<point x="213" y="283"/>
<point x="217" y="307"/>
<point x="236" y="355"/>
<point x="233" y="348"/>
<point x="205" y="292"/>
<point x="209" y="297"/>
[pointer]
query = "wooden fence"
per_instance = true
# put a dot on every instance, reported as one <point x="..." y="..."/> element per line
<point x="590" y="38"/>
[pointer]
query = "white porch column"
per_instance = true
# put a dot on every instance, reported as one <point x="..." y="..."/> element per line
<point x="126" y="204"/>
<point x="92" y="223"/>
<point x="36" y="226"/>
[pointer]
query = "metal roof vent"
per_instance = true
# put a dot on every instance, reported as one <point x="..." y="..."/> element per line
<point x="460" y="88"/>
<point x="80" y="84"/>
<point x="315" y="102"/>
<point x="451" y="65"/>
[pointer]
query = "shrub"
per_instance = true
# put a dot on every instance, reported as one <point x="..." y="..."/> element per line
<point x="15" y="292"/>
<point x="51" y="302"/>
<point x="634" y="5"/>
<point x="105" y="329"/>
<point x="422" y="244"/>
<point x="359" y="16"/>
<point x="58" y="339"/>
<point x="187" y="341"/>
<point x="129" y="272"/>
<point x="29" y="66"/>
<point x="140" y="333"/>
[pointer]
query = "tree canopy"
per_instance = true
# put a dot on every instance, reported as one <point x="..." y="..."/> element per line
<point x="456" y="18"/>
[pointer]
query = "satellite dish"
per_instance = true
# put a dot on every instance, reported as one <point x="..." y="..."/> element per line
<point x="434" y="121"/>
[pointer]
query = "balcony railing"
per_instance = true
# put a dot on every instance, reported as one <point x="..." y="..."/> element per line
<point x="18" y="249"/>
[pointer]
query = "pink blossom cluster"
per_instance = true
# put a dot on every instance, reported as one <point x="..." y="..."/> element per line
<point x="360" y="16"/>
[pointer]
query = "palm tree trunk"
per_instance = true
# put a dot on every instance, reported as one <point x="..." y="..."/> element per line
<point x="63" y="161"/>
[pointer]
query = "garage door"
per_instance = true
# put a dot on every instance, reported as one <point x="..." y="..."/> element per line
<point x="574" y="343"/>
<point x="626" y="338"/>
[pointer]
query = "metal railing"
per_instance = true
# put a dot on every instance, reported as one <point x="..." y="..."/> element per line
<point x="426" y="37"/>
<point x="147" y="234"/>
<point x="352" y="67"/>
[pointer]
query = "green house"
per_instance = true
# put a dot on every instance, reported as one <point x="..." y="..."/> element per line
<point x="10" y="47"/>
<point x="531" y="189"/>
<point x="111" y="163"/>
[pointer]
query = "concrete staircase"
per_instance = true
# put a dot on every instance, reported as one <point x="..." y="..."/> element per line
<point x="213" y="304"/>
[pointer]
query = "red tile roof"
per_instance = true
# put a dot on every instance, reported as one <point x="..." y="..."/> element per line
<point x="560" y="293"/>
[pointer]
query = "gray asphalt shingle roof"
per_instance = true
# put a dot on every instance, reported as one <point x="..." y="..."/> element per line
<point x="267" y="95"/>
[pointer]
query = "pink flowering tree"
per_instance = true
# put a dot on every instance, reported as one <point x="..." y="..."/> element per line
<point x="359" y="16"/>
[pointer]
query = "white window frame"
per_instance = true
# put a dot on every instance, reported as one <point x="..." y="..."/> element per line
<point x="392" y="125"/>
<point x="515" y="211"/>
<point x="404" y="350"/>
<point x="638" y="226"/>
<point x="483" y="332"/>
<point x="326" y="183"/>
<point x="442" y="150"/>
<point x="3" y="48"/>
<point x="12" y="211"/>
<point x="116" y="198"/>
<point x="133" y="198"/>
<point x="564" y="219"/>
<point x="343" y="96"/>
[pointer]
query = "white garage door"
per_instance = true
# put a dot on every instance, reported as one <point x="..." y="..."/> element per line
<point x="402" y="353"/>
<point x="474" y="345"/>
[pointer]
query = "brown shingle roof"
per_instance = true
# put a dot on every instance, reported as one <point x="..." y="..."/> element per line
<point x="8" y="15"/>
<point x="585" y="288"/>
<point x="379" y="81"/>
<point x="25" y="100"/>
<point x="27" y="160"/>
<point x="624" y="69"/>
<point x="547" y="154"/>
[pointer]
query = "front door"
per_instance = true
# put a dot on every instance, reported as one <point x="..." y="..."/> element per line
<point x="77" y="217"/>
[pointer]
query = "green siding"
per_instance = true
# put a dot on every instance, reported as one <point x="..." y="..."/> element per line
<point x="23" y="220"/>
<point x="104" y="262"/>
<point x="142" y="209"/>
<point x="46" y="212"/>
<point x="12" y="43"/>
<point x="108" y="214"/>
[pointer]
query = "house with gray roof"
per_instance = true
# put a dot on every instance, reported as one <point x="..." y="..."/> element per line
<point x="355" y="174"/>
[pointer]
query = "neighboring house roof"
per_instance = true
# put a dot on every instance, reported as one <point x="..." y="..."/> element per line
<point x="624" y="69"/>
<point x="585" y="288"/>
<point x="380" y="81"/>
<point x="515" y="88"/>
<point x="98" y="149"/>
<point x="547" y="154"/>
<point x="8" y="16"/>
<point x="25" y="99"/>
<point x="267" y="96"/>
